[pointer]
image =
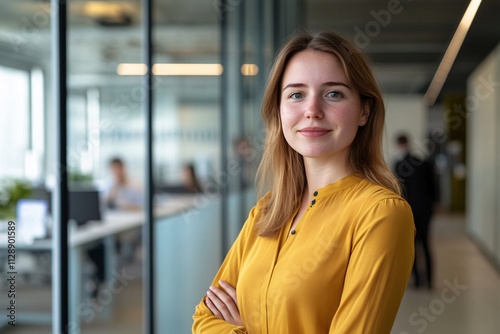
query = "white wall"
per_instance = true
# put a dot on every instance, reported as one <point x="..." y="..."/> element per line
<point x="483" y="157"/>
<point x="404" y="113"/>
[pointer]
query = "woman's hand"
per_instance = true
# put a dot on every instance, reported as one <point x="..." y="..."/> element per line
<point x="223" y="303"/>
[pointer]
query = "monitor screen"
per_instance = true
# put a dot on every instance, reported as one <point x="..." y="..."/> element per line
<point x="43" y="194"/>
<point x="31" y="215"/>
<point x="84" y="205"/>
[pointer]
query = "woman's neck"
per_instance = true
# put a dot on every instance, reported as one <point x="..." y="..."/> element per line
<point x="320" y="174"/>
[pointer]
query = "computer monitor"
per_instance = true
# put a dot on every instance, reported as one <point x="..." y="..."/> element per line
<point x="42" y="193"/>
<point x="31" y="216"/>
<point x="84" y="205"/>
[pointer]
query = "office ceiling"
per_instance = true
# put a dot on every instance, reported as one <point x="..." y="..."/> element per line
<point x="408" y="47"/>
<point x="405" y="47"/>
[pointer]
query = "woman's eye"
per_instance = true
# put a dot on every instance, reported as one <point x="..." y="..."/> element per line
<point x="334" y="95"/>
<point x="295" y="96"/>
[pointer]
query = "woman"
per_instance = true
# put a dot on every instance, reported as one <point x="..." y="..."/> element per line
<point x="329" y="248"/>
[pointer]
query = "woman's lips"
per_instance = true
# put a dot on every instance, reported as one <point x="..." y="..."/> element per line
<point x="313" y="132"/>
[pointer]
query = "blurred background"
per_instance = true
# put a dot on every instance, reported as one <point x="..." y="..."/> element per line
<point x="437" y="62"/>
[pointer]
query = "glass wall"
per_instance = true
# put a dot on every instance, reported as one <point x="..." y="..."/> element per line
<point x="210" y="65"/>
<point x="233" y="41"/>
<point x="106" y="154"/>
<point x="187" y="157"/>
<point x="24" y="69"/>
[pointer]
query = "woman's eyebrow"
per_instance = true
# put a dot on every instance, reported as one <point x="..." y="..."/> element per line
<point x="336" y="83"/>
<point x="328" y="83"/>
<point x="293" y="85"/>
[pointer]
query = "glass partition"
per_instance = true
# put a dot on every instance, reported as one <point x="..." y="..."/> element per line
<point x="216" y="132"/>
<point x="206" y="149"/>
<point x="105" y="154"/>
<point x="25" y="254"/>
<point x="187" y="157"/>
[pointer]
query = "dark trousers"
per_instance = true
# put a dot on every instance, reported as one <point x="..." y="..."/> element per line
<point x="422" y="247"/>
<point x="96" y="255"/>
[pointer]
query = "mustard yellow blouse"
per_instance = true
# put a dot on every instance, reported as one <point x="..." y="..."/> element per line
<point x="344" y="270"/>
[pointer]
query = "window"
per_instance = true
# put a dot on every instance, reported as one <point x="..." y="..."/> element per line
<point x="15" y="121"/>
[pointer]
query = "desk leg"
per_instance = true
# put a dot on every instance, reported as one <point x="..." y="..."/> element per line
<point x="75" y="288"/>
<point x="110" y="264"/>
<point x="87" y="309"/>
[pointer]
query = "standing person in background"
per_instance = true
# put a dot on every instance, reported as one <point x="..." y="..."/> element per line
<point x="329" y="246"/>
<point x="419" y="189"/>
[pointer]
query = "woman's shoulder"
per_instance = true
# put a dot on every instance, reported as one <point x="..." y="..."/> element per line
<point x="369" y="190"/>
<point x="376" y="204"/>
<point x="367" y="195"/>
<point x="257" y="209"/>
<point x="262" y="203"/>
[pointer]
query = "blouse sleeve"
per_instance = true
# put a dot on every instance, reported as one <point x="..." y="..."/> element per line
<point x="378" y="270"/>
<point x="204" y="321"/>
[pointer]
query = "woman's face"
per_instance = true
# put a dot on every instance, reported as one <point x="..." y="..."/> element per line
<point x="320" y="112"/>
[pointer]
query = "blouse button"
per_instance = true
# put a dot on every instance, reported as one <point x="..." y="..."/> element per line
<point x="313" y="202"/>
<point x="315" y="193"/>
<point x="292" y="232"/>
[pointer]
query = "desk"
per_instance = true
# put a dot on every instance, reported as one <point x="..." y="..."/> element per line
<point x="113" y="223"/>
<point x="27" y="316"/>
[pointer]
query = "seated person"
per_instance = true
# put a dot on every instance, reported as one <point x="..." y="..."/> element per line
<point x="123" y="193"/>
<point x="190" y="181"/>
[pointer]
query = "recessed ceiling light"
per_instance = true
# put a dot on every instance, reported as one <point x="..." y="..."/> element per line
<point x="188" y="69"/>
<point x="249" y="69"/>
<point x="172" y="69"/>
<point x="131" y="69"/>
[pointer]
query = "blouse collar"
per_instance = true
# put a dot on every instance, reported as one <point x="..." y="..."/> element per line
<point x="341" y="184"/>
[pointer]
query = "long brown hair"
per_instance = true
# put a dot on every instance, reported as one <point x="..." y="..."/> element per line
<point x="282" y="168"/>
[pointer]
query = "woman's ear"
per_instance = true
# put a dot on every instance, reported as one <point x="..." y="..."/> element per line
<point x="365" y="112"/>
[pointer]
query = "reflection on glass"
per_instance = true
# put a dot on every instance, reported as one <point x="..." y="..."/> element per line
<point x="106" y="122"/>
<point x="24" y="68"/>
<point x="106" y="166"/>
<point x="15" y="120"/>
<point x="187" y="151"/>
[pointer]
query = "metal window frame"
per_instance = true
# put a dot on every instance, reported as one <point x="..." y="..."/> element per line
<point x="60" y="292"/>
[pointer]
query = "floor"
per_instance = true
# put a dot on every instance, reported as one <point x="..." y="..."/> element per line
<point x="465" y="298"/>
<point x="471" y="306"/>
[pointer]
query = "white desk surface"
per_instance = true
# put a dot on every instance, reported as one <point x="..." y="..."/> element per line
<point x="119" y="221"/>
<point x="114" y="222"/>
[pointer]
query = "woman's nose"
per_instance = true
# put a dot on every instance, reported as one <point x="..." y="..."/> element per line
<point x="314" y="110"/>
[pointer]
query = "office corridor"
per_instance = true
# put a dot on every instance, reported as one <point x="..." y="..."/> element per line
<point x="466" y="294"/>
